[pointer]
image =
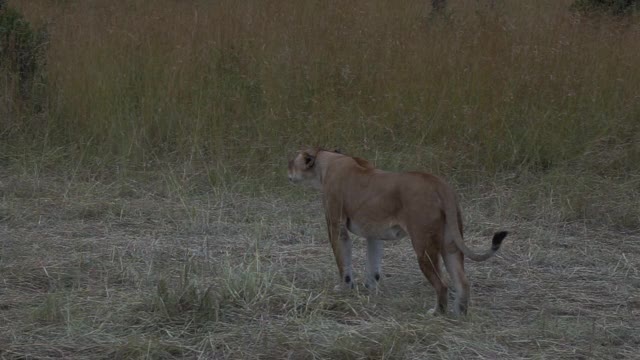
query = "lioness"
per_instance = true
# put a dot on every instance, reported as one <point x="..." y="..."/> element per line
<point x="380" y="205"/>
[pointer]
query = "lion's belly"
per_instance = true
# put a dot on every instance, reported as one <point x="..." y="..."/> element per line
<point x="381" y="232"/>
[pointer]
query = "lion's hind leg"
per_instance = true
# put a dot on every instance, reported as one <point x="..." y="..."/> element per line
<point x="454" y="262"/>
<point x="426" y="246"/>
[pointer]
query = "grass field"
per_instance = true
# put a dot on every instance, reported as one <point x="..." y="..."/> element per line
<point x="144" y="209"/>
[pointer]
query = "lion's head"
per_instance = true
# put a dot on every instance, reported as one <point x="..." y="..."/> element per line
<point x="302" y="166"/>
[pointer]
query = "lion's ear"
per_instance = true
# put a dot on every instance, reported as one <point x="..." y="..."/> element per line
<point x="309" y="160"/>
<point x="337" y="150"/>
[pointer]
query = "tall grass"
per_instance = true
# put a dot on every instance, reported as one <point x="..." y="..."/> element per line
<point x="517" y="85"/>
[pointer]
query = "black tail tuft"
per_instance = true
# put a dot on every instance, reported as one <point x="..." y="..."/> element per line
<point x="497" y="240"/>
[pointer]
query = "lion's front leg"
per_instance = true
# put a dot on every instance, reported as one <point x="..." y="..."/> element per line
<point x="341" y="244"/>
<point x="345" y="242"/>
<point x="339" y="239"/>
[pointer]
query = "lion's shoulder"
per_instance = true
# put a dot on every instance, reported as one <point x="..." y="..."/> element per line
<point x="363" y="163"/>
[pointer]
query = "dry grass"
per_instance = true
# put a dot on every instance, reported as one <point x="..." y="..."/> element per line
<point x="143" y="212"/>
<point x="161" y="268"/>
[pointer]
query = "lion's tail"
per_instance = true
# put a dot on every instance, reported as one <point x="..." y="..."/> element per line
<point x="451" y="215"/>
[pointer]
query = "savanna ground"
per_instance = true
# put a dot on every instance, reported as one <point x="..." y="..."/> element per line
<point x="144" y="209"/>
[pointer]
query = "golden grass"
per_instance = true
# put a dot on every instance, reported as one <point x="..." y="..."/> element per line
<point x="519" y="85"/>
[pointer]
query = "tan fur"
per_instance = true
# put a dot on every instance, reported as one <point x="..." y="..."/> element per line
<point x="380" y="205"/>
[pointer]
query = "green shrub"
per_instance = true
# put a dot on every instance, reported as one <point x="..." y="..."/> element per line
<point x="22" y="53"/>
<point x="615" y="7"/>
